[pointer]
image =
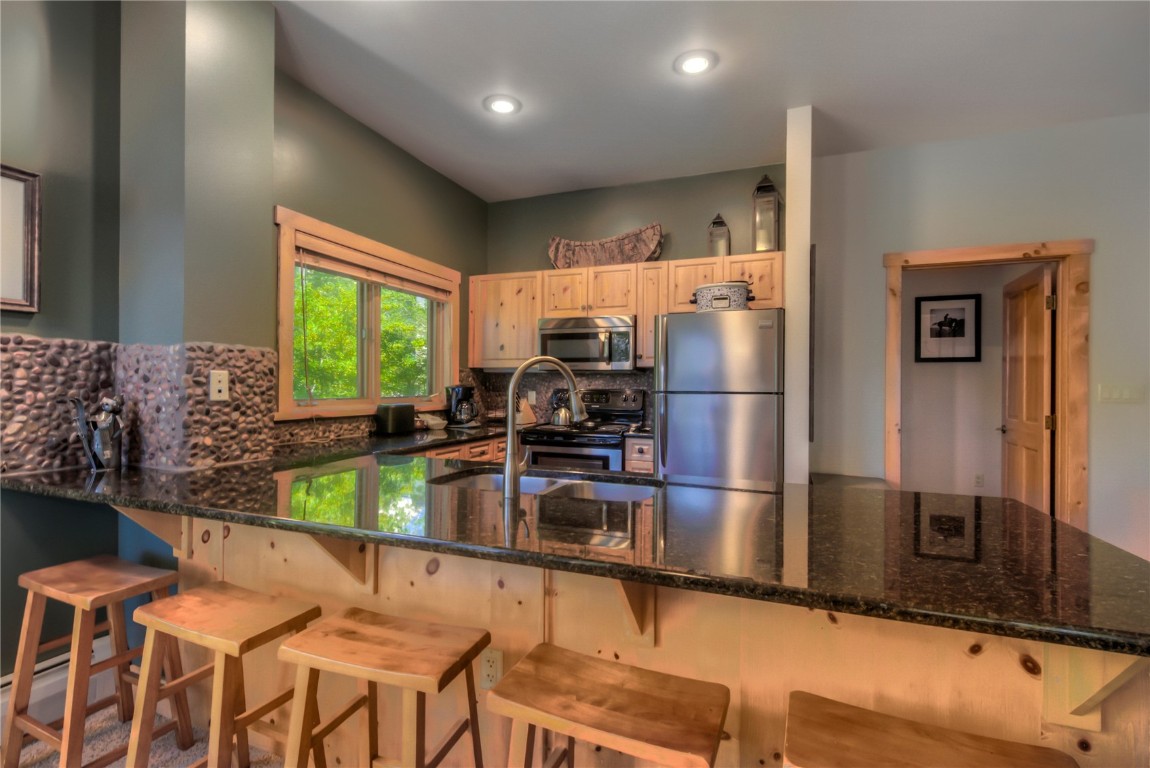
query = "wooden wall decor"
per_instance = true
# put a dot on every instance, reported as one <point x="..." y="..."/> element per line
<point x="632" y="247"/>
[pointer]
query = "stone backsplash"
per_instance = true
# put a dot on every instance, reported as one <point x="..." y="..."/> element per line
<point x="37" y="376"/>
<point x="169" y="420"/>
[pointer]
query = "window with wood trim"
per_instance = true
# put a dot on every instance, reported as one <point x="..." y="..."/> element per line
<point x="360" y="323"/>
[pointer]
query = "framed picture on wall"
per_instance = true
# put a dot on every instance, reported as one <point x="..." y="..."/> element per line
<point x="19" y="240"/>
<point x="948" y="329"/>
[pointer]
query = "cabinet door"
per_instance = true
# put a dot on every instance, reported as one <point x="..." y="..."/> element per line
<point x="612" y="290"/>
<point x="565" y="293"/>
<point x="499" y="449"/>
<point x="451" y="452"/>
<point x="504" y="319"/>
<point x="764" y="272"/>
<point x="684" y="276"/>
<point x="652" y="303"/>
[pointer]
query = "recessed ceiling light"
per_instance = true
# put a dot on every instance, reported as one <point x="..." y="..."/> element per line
<point x="503" y="105"/>
<point x="694" y="62"/>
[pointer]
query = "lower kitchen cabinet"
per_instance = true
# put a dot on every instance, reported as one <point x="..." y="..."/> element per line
<point x="477" y="450"/>
<point x="639" y="455"/>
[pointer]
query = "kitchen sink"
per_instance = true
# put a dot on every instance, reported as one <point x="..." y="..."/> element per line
<point x="494" y="482"/>
<point x="600" y="491"/>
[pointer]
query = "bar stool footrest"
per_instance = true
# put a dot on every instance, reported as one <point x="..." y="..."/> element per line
<point x="453" y="735"/>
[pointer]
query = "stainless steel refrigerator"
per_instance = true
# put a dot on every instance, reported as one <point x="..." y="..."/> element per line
<point x="719" y="399"/>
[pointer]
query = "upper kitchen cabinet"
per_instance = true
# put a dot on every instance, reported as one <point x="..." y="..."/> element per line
<point x="764" y="272"/>
<point x="587" y="291"/>
<point x="652" y="303"/>
<point x="685" y="275"/>
<point x="504" y="315"/>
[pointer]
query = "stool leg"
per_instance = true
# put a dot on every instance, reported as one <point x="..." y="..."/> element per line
<point x="522" y="749"/>
<point x="223" y="715"/>
<point x="21" y="690"/>
<point x="369" y="722"/>
<point x="570" y="752"/>
<point x="119" y="632"/>
<point x="174" y="670"/>
<point x="76" y="699"/>
<point x="303" y="717"/>
<point x="473" y="717"/>
<point x="144" y="717"/>
<point x="243" y="755"/>
<point x="414" y="752"/>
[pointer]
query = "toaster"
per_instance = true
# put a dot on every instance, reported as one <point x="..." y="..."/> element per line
<point x="397" y="419"/>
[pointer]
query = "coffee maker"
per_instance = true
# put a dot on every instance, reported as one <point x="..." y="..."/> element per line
<point x="461" y="407"/>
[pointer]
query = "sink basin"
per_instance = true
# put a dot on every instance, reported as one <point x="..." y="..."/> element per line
<point x="613" y="492"/>
<point x="494" y="482"/>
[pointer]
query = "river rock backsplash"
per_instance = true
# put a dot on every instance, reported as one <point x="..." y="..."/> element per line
<point x="37" y="376"/>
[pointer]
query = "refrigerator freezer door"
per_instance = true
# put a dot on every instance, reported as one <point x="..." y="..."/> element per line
<point x="720" y="352"/>
<point x="727" y="440"/>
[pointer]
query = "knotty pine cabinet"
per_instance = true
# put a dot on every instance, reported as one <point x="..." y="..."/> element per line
<point x="505" y="309"/>
<point x="493" y="449"/>
<point x="588" y="291"/>
<point x="503" y="319"/>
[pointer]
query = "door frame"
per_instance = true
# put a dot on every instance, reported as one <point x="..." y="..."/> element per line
<point x="1072" y="355"/>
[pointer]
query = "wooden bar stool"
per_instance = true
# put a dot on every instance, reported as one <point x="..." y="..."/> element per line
<point x="98" y="582"/>
<point x="230" y="621"/>
<point x="419" y="657"/>
<point x="826" y="733"/>
<point x="650" y="715"/>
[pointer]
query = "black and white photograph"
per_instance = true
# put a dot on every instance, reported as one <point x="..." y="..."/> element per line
<point x="948" y="329"/>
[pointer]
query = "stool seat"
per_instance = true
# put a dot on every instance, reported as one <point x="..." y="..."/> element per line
<point x="391" y="650"/>
<point x="97" y="581"/>
<point x="651" y="715"/>
<point x="229" y="621"/>
<point x="226" y="618"/>
<point x="374" y="649"/>
<point x="827" y="733"/>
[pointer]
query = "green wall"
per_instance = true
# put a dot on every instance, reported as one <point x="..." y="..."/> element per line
<point x="519" y="230"/>
<point x="59" y="93"/>
<point x="332" y="167"/>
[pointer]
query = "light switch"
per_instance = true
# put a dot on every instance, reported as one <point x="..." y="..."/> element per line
<point x="1121" y="393"/>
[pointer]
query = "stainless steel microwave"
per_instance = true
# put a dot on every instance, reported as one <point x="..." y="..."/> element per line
<point x="605" y="343"/>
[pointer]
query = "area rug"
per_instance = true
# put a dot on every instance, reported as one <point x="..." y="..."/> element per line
<point x="104" y="732"/>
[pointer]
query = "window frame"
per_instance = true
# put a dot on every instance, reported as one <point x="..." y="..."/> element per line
<point x="305" y="240"/>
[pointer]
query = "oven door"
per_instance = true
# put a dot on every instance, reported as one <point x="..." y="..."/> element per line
<point x="583" y="457"/>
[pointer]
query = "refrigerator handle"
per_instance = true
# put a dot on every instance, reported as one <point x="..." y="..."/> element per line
<point x="660" y="352"/>
<point x="661" y="432"/>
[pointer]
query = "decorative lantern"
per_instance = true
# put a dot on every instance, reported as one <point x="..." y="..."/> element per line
<point x="766" y="203"/>
<point x="718" y="237"/>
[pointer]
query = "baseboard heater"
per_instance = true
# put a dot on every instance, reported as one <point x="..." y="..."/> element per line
<point x="50" y="684"/>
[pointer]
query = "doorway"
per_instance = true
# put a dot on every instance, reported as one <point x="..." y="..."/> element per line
<point x="1071" y="349"/>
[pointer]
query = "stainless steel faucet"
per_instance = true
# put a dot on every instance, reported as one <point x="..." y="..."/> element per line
<point x="513" y="465"/>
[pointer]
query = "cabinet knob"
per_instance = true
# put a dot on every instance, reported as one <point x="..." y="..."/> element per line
<point x="500" y="347"/>
<point x="640" y="449"/>
<point x="639" y="356"/>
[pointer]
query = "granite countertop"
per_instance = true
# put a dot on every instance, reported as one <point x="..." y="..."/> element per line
<point x="970" y="563"/>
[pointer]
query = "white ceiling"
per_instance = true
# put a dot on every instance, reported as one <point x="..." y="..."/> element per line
<point x="601" y="106"/>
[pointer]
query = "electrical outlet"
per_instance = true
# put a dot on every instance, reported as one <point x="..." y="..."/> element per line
<point x="218" y="386"/>
<point x="979" y="480"/>
<point x="531" y="397"/>
<point x="490" y="667"/>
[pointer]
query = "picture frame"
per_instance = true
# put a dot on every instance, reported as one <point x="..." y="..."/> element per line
<point x="948" y="527"/>
<point x="19" y="240"/>
<point x="948" y="329"/>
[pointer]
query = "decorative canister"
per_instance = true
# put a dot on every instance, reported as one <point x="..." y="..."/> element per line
<point x="720" y="296"/>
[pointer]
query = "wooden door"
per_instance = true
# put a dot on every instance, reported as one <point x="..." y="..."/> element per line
<point x="764" y="272"/>
<point x="504" y="319"/>
<point x="652" y="303"/>
<point x="684" y="276"/>
<point x="565" y="293"/>
<point x="1027" y="406"/>
<point x="612" y="290"/>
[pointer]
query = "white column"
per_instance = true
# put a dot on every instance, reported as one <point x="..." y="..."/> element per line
<point x="797" y="294"/>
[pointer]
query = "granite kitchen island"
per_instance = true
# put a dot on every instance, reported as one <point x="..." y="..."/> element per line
<point x="972" y="612"/>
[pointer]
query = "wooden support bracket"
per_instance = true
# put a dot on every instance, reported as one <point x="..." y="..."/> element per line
<point x="1077" y="680"/>
<point x="638" y="610"/>
<point x="173" y="530"/>
<point x="358" y="558"/>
